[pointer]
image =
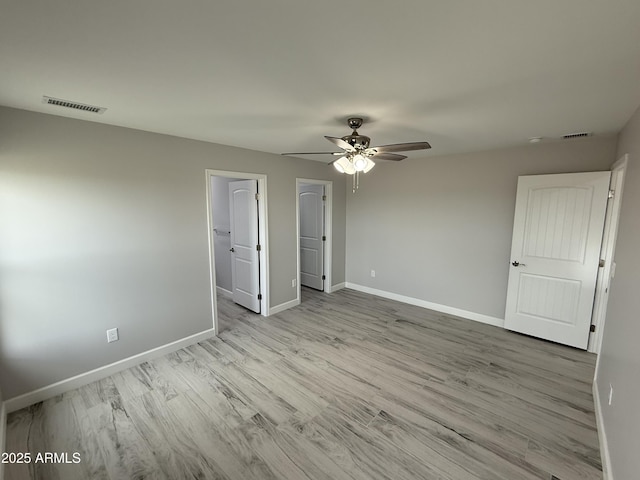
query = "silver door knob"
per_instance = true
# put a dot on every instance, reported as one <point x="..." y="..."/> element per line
<point x="517" y="264"/>
<point x="231" y="250"/>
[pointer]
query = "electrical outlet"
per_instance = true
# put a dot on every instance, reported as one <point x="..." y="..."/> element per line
<point x="293" y="283"/>
<point x="112" y="335"/>
<point x="373" y="273"/>
<point x="610" y="394"/>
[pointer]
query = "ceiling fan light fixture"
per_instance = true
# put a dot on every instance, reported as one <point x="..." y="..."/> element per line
<point x="357" y="152"/>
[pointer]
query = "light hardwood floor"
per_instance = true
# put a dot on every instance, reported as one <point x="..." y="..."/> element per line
<point x="345" y="386"/>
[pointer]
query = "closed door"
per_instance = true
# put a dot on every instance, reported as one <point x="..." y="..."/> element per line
<point x="245" y="266"/>
<point x="555" y="250"/>
<point x="311" y="235"/>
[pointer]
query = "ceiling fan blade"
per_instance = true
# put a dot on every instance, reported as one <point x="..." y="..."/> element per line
<point x="313" y="153"/>
<point x="401" y="147"/>
<point x="389" y="156"/>
<point x="341" y="143"/>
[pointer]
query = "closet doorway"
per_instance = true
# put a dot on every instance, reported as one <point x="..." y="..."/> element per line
<point x="236" y="206"/>
<point x="313" y="213"/>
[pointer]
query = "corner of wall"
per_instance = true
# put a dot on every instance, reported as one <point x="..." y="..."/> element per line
<point x="3" y="432"/>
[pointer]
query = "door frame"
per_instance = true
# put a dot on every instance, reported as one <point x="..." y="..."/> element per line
<point x="328" y="232"/>
<point x="607" y="252"/>
<point x="263" y="235"/>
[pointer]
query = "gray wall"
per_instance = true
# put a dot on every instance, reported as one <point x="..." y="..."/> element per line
<point x="619" y="363"/>
<point x="3" y="432"/>
<point x="439" y="228"/>
<point x="106" y="227"/>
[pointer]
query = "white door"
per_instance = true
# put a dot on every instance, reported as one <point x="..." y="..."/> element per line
<point x="311" y="235"/>
<point x="245" y="266"/>
<point x="557" y="234"/>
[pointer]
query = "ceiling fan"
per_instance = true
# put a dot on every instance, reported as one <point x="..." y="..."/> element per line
<point x="357" y="155"/>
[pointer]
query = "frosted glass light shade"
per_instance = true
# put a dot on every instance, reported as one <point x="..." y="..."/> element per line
<point x="351" y="165"/>
<point x="359" y="162"/>
<point x="369" y="166"/>
<point x="343" y="165"/>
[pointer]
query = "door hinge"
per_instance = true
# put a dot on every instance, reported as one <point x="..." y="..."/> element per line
<point x="259" y="296"/>
<point x="612" y="193"/>
<point x="324" y="239"/>
<point x="258" y="247"/>
<point x="324" y="198"/>
<point x="601" y="263"/>
<point x="323" y="277"/>
<point x="257" y="196"/>
<point x="592" y="328"/>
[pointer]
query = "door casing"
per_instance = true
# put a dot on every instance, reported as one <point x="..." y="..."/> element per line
<point x="618" y="171"/>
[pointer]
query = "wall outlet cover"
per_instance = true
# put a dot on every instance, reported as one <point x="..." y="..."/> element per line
<point x="112" y="335"/>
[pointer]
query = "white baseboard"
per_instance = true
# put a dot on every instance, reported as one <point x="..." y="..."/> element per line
<point x="284" y="306"/>
<point x="478" y="317"/>
<point x="224" y="292"/>
<point x="602" y="435"/>
<point x="338" y="286"/>
<point x="58" y="388"/>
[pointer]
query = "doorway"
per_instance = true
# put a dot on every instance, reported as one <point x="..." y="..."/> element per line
<point x="314" y="234"/>
<point x="237" y="221"/>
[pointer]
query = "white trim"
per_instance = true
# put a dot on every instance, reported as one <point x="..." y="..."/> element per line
<point x="224" y="292"/>
<point x="338" y="286"/>
<point x="328" y="231"/>
<point x="478" y="317"/>
<point x="212" y="258"/>
<point x="602" y="436"/>
<point x="607" y="253"/>
<point x="58" y="388"/>
<point x="284" y="306"/>
<point x="263" y="235"/>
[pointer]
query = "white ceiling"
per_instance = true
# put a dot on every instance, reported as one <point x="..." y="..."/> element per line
<point x="276" y="76"/>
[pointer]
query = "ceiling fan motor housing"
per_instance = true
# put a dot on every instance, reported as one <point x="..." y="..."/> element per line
<point x="357" y="141"/>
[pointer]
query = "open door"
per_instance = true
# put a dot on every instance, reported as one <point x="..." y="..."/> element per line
<point x="245" y="266"/>
<point x="555" y="253"/>
<point x="311" y="203"/>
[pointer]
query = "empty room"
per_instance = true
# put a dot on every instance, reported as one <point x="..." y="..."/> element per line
<point x="319" y="240"/>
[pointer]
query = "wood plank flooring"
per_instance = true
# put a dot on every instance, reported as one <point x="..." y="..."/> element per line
<point x="345" y="386"/>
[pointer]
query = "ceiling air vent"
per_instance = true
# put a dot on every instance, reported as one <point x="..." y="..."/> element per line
<point x="75" y="105"/>
<point x="577" y="135"/>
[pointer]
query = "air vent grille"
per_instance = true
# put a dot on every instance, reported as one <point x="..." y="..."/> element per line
<point x="577" y="135"/>
<point x="75" y="105"/>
